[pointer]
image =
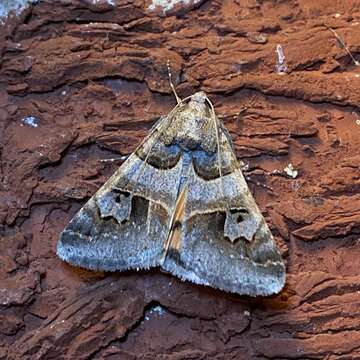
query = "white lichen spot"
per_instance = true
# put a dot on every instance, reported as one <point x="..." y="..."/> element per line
<point x="110" y="2"/>
<point x="159" y="310"/>
<point x="246" y="313"/>
<point x="31" y="121"/>
<point x="168" y="5"/>
<point x="357" y="122"/>
<point x="337" y="15"/>
<point x="281" y="67"/>
<point x="290" y="171"/>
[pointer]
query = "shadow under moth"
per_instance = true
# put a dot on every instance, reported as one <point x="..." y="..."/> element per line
<point x="179" y="202"/>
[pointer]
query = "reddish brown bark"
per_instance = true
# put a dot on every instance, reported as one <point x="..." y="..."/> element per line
<point x="94" y="78"/>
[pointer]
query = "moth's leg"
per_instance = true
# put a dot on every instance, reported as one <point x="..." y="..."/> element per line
<point x="171" y="83"/>
<point x="257" y="183"/>
<point x="120" y="158"/>
<point x="260" y="171"/>
<point x="248" y="173"/>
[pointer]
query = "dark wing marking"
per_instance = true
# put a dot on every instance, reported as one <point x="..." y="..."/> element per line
<point x="224" y="242"/>
<point x="125" y="224"/>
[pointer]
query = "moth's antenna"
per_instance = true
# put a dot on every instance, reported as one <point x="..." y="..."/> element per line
<point x="342" y="44"/>
<point x="213" y="115"/>
<point x="171" y="83"/>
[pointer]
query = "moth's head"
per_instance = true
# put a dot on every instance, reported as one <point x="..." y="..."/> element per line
<point x="199" y="97"/>
<point x="198" y="101"/>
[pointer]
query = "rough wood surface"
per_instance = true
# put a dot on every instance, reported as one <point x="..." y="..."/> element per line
<point x="83" y="80"/>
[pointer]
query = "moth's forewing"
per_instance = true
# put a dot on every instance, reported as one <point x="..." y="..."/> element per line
<point x="125" y="224"/>
<point x="225" y="242"/>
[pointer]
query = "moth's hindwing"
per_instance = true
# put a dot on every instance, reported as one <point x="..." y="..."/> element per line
<point x="125" y="224"/>
<point x="223" y="239"/>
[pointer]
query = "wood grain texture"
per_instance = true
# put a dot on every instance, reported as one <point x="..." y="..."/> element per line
<point x="94" y="77"/>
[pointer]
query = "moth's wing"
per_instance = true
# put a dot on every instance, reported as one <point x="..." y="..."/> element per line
<point x="124" y="225"/>
<point x="223" y="240"/>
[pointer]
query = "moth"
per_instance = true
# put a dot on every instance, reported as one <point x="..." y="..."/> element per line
<point x="179" y="202"/>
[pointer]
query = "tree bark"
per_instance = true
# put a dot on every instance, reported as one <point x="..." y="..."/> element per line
<point x="84" y="81"/>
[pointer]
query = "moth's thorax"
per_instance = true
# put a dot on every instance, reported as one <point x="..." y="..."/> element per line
<point x="193" y="125"/>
